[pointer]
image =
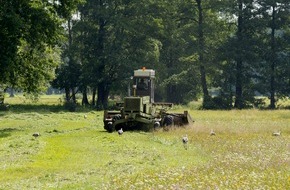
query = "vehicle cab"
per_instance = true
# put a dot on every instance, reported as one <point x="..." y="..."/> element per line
<point x="143" y="83"/>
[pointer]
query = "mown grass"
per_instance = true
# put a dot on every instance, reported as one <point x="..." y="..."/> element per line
<point x="74" y="152"/>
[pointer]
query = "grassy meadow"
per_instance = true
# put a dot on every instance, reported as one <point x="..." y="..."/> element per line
<point x="74" y="152"/>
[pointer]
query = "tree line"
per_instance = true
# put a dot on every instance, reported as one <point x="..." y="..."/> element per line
<point x="237" y="49"/>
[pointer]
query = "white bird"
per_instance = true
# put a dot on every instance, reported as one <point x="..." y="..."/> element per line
<point x="36" y="135"/>
<point x="120" y="131"/>
<point x="185" y="141"/>
<point x="276" y="133"/>
<point x="85" y="116"/>
<point x="212" y="133"/>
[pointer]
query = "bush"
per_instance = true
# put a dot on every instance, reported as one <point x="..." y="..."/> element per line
<point x="70" y="106"/>
<point x="4" y="107"/>
<point x="217" y="103"/>
<point x="260" y="102"/>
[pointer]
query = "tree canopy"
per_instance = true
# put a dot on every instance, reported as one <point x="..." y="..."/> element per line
<point x="225" y="52"/>
<point x="30" y="33"/>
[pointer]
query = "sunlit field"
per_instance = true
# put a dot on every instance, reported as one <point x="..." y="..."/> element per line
<point x="74" y="151"/>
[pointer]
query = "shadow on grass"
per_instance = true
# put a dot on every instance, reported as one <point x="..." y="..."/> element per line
<point x="42" y="108"/>
<point x="6" y="132"/>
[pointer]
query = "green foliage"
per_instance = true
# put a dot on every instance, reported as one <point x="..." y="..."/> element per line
<point x="239" y="47"/>
<point x="36" y="67"/>
<point x="180" y="83"/>
<point x="65" y="8"/>
<point x="29" y="34"/>
<point x="274" y="67"/>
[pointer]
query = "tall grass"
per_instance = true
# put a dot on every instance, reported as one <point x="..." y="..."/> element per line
<point x="74" y="152"/>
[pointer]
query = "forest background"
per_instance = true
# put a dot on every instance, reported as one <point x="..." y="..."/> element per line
<point x="227" y="52"/>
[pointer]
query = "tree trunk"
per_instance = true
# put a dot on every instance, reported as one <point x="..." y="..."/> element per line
<point x="100" y="54"/>
<point x="105" y="97"/>
<point x="201" y="49"/>
<point x="206" y="97"/>
<point x="73" y="95"/>
<point x="12" y="92"/>
<point x="239" y="86"/>
<point x="67" y="94"/>
<point x="273" y="61"/>
<point x="103" y="94"/>
<point x="171" y="95"/>
<point x="85" y="100"/>
<point x="100" y="94"/>
<point x="94" y="96"/>
<point x="239" y="62"/>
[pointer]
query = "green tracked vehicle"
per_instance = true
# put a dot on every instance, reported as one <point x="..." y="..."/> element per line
<point x="139" y="111"/>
